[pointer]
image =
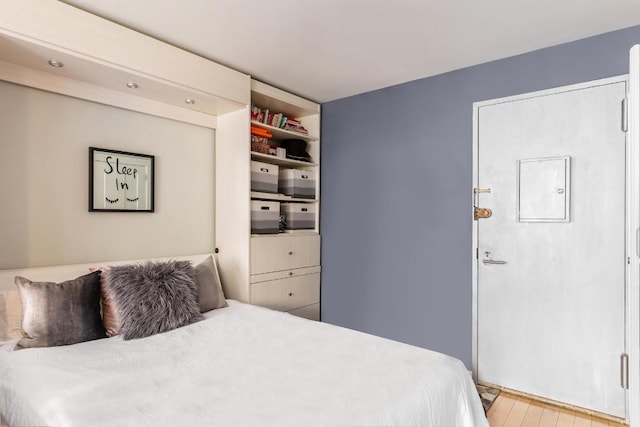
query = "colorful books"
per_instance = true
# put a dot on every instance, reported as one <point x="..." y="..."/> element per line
<point x="295" y="125"/>
<point x="277" y="120"/>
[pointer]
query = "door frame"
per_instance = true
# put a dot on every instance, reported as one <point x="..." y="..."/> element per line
<point x="632" y="221"/>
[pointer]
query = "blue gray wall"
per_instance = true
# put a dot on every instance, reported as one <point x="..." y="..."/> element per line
<point x="396" y="191"/>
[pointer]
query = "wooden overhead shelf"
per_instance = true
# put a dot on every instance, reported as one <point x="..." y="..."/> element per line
<point x="100" y="57"/>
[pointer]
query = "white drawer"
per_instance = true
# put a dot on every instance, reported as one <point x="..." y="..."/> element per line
<point x="283" y="274"/>
<point x="287" y="294"/>
<point x="284" y="253"/>
<point x="311" y="312"/>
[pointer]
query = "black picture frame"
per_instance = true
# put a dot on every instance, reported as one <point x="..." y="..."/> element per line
<point x="120" y="181"/>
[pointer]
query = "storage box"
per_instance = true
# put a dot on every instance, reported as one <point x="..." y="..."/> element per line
<point x="299" y="215"/>
<point x="264" y="177"/>
<point x="297" y="183"/>
<point x="265" y="217"/>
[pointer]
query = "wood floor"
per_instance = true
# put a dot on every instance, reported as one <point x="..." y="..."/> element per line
<point x="511" y="411"/>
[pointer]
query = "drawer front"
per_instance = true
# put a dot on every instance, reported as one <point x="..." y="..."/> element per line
<point x="287" y="294"/>
<point x="311" y="312"/>
<point x="284" y="274"/>
<point x="284" y="253"/>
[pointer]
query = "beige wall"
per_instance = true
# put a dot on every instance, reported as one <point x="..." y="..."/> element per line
<point x="44" y="218"/>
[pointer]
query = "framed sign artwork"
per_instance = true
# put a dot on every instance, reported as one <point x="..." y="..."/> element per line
<point x="120" y="181"/>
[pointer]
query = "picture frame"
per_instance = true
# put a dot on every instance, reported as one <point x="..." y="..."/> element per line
<point x="120" y="181"/>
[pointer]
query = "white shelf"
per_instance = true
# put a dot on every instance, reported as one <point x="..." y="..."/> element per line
<point x="279" y="197"/>
<point x="281" y="161"/>
<point x="282" y="133"/>
<point x="289" y="233"/>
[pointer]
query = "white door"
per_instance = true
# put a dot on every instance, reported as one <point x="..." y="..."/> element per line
<point x="550" y="289"/>
<point x="633" y="239"/>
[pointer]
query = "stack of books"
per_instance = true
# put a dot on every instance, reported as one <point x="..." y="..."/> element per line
<point x="295" y="125"/>
<point x="258" y="131"/>
<point x="277" y="120"/>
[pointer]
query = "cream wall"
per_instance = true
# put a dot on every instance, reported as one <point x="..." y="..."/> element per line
<point x="44" y="218"/>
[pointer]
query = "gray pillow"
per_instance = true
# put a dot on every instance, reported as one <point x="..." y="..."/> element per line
<point x="210" y="293"/>
<point x="153" y="297"/>
<point x="60" y="313"/>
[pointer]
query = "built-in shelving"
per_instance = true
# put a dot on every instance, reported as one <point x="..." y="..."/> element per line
<point x="290" y="259"/>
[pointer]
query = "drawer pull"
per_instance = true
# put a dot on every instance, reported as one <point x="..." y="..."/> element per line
<point x="290" y="294"/>
<point x="291" y="273"/>
<point x="290" y="252"/>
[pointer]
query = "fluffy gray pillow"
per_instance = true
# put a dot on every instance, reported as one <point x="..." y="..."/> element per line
<point x="60" y="313"/>
<point x="153" y="297"/>
<point x="210" y="293"/>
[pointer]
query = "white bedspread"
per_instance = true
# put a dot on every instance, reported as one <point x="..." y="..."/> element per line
<point x="242" y="366"/>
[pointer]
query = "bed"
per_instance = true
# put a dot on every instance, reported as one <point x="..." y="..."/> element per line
<point x="240" y="365"/>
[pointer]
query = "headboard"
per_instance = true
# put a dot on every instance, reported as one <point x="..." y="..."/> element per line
<point x="11" y="307"/>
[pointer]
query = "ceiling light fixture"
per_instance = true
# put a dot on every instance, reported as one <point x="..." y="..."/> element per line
<point x="55" y="63"/>
<point x="132" y="85"/>
<point x="190" y="101"/>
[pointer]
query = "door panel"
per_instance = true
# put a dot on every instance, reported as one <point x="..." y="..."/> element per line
<point x="551" y="317"/>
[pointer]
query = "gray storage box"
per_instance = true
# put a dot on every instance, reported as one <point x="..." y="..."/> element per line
<point x="297" y="183"/>
<point x="299" y="215"/>
<point x="264" y="177"/>
<point x="265" y="217"/>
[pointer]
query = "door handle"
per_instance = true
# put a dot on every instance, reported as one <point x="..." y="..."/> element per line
<point x="492" y="262"/>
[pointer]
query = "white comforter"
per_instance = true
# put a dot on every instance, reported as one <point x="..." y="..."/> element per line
<point x="242" y="366"/>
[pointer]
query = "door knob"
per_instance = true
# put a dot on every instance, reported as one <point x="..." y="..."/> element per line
<point x="488" y="261"/>
<point x="492" y="262"/>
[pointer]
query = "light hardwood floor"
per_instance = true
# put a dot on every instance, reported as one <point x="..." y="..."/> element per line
<point x="510" y="411"/>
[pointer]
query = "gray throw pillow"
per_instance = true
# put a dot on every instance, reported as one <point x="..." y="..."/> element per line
<point x="210" y="293"/>
<point x="153" y="297"/>
<point x="60" y="313"/>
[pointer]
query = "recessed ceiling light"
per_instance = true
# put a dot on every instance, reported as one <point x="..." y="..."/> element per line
<point x="132" y="85"/>
<point x="190" y="101"/>
<point x="55" y="63"/>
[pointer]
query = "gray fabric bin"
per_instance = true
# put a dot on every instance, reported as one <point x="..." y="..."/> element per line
<point x="297" y="183"/>
<point x="299" y="216"/>
<point x="265" y="217"/>
<point x="264" y="177"/>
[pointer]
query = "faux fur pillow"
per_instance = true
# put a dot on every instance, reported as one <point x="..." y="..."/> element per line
<point x="153" y="297"/>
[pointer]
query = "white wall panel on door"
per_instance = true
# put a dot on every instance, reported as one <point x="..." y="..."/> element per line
<point x="551" y="295"/>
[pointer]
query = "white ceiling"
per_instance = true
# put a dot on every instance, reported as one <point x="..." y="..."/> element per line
<point x="330" y="49"/>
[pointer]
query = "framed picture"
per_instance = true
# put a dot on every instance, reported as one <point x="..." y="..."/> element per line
<point x="120" y="181"/>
